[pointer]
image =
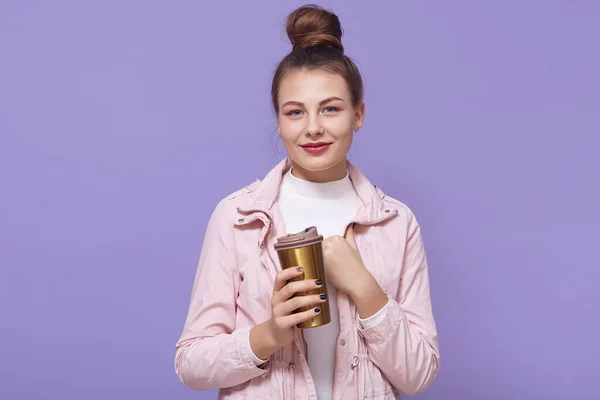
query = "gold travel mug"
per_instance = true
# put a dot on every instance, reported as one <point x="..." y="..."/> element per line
<point x="304" y="249"/>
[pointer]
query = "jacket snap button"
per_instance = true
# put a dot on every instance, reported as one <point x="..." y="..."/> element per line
<point x="241" y="220"/>
<point x="387" y="211"/>
<point x="291" y="366"/>
<point x="260" y="244"/>
<point x="342" y="342"/>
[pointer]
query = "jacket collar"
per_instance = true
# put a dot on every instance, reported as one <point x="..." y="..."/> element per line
<point x="265" y="193"/>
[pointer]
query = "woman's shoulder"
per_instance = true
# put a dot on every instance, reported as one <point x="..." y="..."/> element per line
<point x="391" y="201"/>
<point x="241" y="193"/>
<point x="228" y="205"/>
<point x="402" y="209"/>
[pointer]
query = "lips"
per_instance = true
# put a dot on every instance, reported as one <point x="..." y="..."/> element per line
<point x="315" y="145"/>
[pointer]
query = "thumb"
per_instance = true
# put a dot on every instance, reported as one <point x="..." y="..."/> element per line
<point x="349" y="236"/>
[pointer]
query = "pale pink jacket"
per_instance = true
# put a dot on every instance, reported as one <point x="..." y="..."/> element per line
<point x="232" y="293"/>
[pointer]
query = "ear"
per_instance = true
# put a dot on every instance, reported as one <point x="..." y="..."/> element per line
<point x="359" y="116"/>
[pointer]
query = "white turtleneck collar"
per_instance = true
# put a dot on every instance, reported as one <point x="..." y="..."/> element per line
<point x="323" y="190"/>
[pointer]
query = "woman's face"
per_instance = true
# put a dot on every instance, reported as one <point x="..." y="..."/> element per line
<point x="316" y="121"/>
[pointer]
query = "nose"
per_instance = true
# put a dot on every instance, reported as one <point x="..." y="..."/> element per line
<point x="313" y="127"/>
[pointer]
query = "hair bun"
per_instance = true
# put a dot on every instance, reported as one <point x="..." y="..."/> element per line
<point x="313" y="26"/>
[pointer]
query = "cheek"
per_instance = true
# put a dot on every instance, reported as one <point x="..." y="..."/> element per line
<point x="339" y="128"/>
<point x="289" y="131"/>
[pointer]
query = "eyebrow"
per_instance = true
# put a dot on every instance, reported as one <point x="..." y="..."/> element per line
<point x="298" y="103"/>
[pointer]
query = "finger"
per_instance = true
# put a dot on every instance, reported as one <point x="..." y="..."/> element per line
<point x="299" y="286"/>
<point x="299" y="302"/>
<point x="282" y="278"/>
<point x="294" y="319"/>
<point x="349" y="236"/>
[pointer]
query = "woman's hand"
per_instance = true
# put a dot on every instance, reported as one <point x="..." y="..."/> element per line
<point x="283" y="304"/>
<point x="344" y="267"/>
<point x="345" y="270"/>
<point x="278" y="331"/>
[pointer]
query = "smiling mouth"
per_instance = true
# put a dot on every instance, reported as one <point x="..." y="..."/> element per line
<point x="315" y="145"/>
<point x="315" y="148"/>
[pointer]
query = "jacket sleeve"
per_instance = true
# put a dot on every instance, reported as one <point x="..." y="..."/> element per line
<point x="404" y="345"/>
<point x="211" y="353"/>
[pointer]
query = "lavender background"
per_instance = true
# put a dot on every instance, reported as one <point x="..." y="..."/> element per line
<point x="123" y="123"/>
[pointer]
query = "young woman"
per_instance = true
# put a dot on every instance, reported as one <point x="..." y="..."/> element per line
<point x="240" y="333"/>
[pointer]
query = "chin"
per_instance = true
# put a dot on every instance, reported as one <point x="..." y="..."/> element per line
<point x="318" y="164"/>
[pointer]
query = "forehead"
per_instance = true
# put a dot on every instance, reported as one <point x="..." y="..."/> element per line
<point x="311" y="86"/>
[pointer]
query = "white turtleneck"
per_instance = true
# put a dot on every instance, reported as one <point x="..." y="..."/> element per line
<point x="329" y="206"/>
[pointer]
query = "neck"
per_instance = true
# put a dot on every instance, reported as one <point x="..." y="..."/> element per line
<point x="334" y="173"/>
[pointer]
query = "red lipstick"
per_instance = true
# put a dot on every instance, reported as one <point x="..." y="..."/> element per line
<point x="315" y="147"/>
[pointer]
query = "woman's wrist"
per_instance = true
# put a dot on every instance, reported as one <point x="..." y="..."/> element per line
<point x="368" y="297"/>
<point x="262" y="340"/>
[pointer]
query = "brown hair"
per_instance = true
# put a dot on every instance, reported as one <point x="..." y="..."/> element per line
<point x="316" y="36"/>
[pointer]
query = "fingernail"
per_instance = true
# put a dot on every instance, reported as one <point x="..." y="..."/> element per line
<point x="323" y="296"/>
<point x="318" y="282"/>
<point x="318" y="309"/>
<point x="299" y="269"/>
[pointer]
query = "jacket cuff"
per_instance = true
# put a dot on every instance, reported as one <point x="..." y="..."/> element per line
<point x="374" y="319"/>
<point x="394" y="316"/>
<point x="245" y="354"/>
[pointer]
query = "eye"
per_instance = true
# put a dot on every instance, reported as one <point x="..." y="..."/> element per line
<point x="294" y="113"/>
<point x="331" y="109"/>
